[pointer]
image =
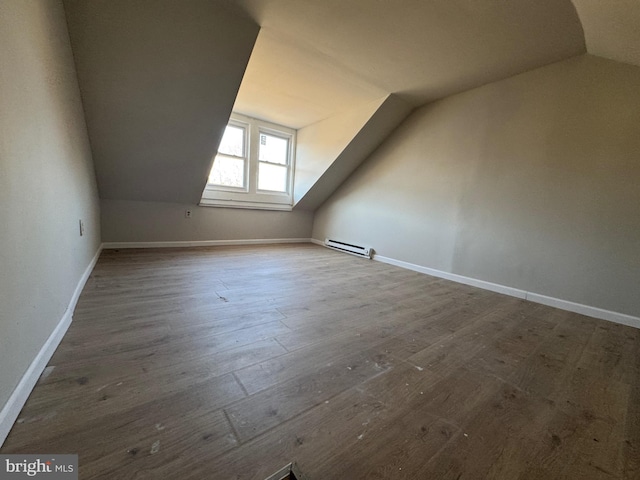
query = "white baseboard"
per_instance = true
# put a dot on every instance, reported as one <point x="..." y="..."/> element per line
<point x="494" y="287"/>
<point x="587" y="310"/>
<point x="567" y="305"/>
<point x="204" y="243"/>
<point x="18" y="398"/>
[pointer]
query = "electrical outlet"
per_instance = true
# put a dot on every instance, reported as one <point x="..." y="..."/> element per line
<point x="81" y="228"/>
<point x="187" y="214"/>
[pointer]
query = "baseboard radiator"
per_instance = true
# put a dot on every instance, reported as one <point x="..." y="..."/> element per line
<point x="358" y="250"/>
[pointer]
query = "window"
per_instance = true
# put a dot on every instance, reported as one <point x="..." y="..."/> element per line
<point x="253" y="167"/>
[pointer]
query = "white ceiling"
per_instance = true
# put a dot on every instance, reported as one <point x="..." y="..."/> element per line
<point x="290" y="83"/>
<point x="316" y="58"/>
<point x="611" y="28"/>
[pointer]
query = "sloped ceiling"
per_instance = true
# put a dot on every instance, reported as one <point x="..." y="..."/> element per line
<point x="320" y="144"/>
<point x="365" y="135"/>
<point x="319" y="66"/>
<point x="288" y="82"/>
<point x="425" y="50"/>
<point x="159" y="77"/>
<point x="158" y="80"/>
<point x="611" y="28"/>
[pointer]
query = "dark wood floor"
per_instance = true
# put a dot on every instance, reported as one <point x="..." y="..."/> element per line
<point x="231" y="362"/>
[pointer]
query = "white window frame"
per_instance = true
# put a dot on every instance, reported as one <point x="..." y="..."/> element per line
<point x="250" y="196"/>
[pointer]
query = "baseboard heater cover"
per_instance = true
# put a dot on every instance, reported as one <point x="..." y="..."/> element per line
<point x="359" y="250"/>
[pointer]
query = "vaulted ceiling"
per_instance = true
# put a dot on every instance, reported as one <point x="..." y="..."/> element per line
<point x="425" y="50"/>
<point x="611" y="28"/>
<point x="159" y="78"/>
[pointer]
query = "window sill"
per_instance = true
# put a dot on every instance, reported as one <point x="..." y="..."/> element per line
<point x="263" y="201"/>
<point x="205" y="202"/>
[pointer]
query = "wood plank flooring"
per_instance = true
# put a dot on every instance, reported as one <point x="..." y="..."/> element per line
<point x="230" y="362"/>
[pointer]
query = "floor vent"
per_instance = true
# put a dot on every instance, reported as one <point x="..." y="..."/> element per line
<point x="358" y="250"/>
<point x="288" y="472"/>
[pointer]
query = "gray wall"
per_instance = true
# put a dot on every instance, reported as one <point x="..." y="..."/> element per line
<point x="47" y="182"/>
<point x="532" y="182"/>
<point x="126" y="221"/>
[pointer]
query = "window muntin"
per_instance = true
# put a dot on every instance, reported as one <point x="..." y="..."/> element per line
<point x="253" y="167"/>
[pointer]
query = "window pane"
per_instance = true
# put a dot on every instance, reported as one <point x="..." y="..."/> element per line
<point x="273" y="149"/>
<point x="227" y="172"/>
<point x="232" y="142"/>
<point x="272" y="177"/>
